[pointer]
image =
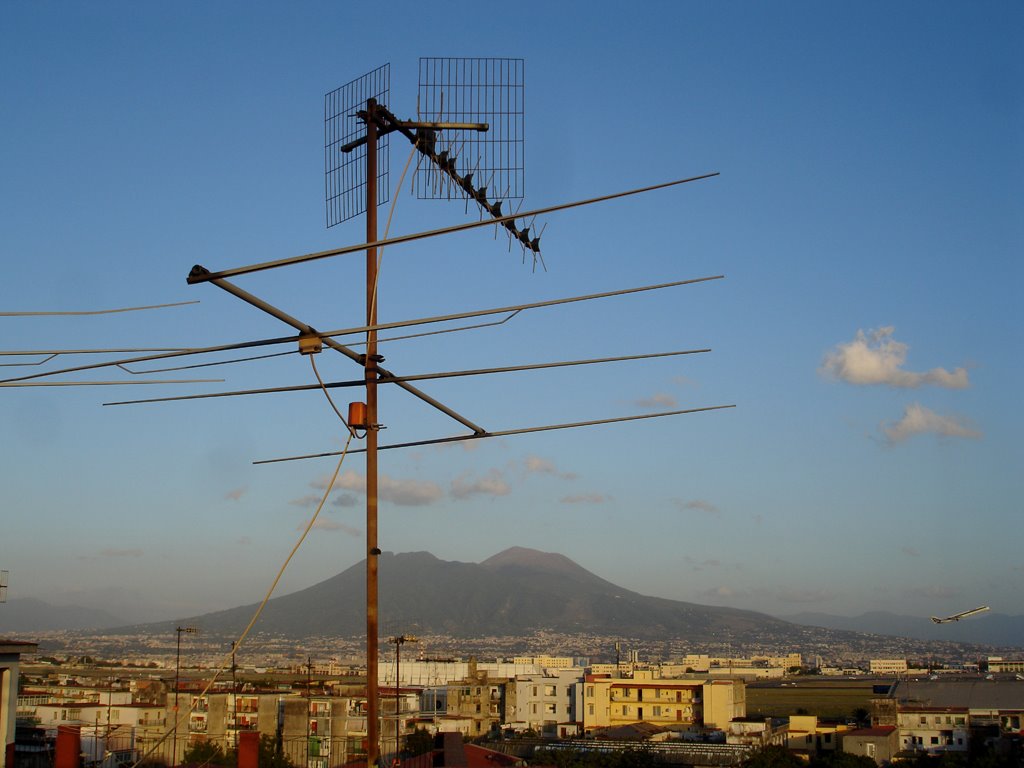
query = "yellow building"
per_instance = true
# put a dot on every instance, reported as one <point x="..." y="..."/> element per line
<point x="670" y="703"/>
<point x="808" y="736"/>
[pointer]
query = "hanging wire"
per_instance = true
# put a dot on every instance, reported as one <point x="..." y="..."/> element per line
<point x="226" y="664"/>
<point x="80" y="313"/>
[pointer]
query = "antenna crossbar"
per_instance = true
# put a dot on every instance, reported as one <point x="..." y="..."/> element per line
<point x="503" y="433"/>
<point x="308" y="330"/>
<point x="202" y="275"/>
<point x="414" y="377"/>
<point x="185" y="352"/>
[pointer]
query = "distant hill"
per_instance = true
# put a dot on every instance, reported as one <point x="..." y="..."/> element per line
<point x="27" y="614"/>
<point x="514" y="592"/>
<point x="988" y="628"/>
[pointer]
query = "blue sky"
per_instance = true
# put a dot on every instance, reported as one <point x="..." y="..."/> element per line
<point x="867" y="220"/>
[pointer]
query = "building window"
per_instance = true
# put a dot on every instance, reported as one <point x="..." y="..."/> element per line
<point x="935" y="740"/>
<point x="590" y="691"/>
<point x="590" y="709"/>
<point x="657" y="711"/>
<point x="869" y="749"/>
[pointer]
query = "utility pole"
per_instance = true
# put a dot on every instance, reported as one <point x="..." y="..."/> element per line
<point x="370" y="369"/>
<point x="399" y="642"/>
<point x="177" y="676"/>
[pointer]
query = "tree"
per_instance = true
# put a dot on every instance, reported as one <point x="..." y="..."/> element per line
<point x="272" y="753"/>
<point x="842" y="760"/>
<point x="773" y="756"/>
<point x="204" y="753"/>
<point x="419" y="742"/>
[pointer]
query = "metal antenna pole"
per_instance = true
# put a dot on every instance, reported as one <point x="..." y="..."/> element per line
<point x="370" y="367"/>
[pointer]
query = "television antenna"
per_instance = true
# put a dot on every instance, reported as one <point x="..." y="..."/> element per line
<point x="477" y="157"/>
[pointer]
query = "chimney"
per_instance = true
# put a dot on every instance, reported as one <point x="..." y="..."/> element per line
<point x="69" y="746"/>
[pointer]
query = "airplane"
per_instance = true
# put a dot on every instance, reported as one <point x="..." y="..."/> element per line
<point x="963" y="615"/>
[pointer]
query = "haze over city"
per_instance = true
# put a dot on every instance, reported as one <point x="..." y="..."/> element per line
<point x="867" y="329"/>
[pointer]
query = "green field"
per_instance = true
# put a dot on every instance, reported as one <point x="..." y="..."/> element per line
<point x="828" y="700"/>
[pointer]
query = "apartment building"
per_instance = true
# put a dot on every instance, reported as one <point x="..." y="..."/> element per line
<point x="476" y="705"/>
<point x="676" y="704"/>
<point x="323" y="731"/>
<point x="880" y="743"/>
<point x="933" y="729"/>
<point x="809" y="736"/>
<point x="547" y="704"/>
<point x="116" y="728"/>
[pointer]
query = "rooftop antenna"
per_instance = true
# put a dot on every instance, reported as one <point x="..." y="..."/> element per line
<point x="464" y="99"/>
<point x="463" y="96"/>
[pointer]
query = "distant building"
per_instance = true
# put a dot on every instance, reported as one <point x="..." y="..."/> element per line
<point x="10" y="662"/>
<point x="546" y="704"/>
<point x="809" y="736"/>
<point x="933" y="729"/>
<point x="888" y="666"/>
<point x="671" y="703"/>
<point x="478" y="703"/>
<point x="880" y="743"/>
<point x="999" y="664"/>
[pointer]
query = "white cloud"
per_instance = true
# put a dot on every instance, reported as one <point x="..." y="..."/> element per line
<point x="657" y="400"/>
<point x="876" y="358"/>
<point x="120" y="553"/>
<point x="721" y="591"/>
<point x="309" y="500"/>
<point x="932" y="592"/>
<point x="585" y="498"/>
<point x="700" y="565"/>
<point x="402" y="493"/>
<point x="918" y="420"/>
<point x="698" y="505"/>
<point x="542" y="466"/>
<point x="111" y="553"/>
<point x="492" y="484"/>
<point x="805" y="595"/>
<point x="326" y="524"/>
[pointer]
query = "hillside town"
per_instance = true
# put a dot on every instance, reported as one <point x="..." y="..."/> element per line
<point x="696" y="709"/>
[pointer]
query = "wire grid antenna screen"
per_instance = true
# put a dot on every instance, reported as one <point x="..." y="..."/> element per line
<point x="345" y="173"/>
<point x="491" y="91"/>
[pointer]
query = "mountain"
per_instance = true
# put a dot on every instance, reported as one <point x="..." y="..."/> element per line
<point x="989" y="628"/>
<point x="514" y="592"/>
<point x="27" y="614"/>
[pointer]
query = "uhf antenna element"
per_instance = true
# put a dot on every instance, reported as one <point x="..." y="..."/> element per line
<point x="345" y="172"/>
<point x="469" y="136"/>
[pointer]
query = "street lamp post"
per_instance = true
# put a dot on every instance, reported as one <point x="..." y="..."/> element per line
<point x="177" y="676"/>
<point x="399" y="642"/>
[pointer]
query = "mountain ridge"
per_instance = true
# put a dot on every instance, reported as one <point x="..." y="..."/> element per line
<point x="515" y="592"/>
